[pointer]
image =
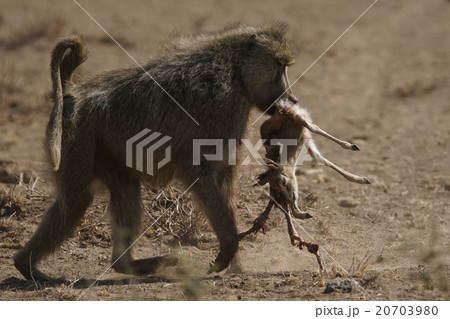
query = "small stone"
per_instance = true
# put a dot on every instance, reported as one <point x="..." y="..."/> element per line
<point x="342" y="285"/>
<point x="347" y="202"/>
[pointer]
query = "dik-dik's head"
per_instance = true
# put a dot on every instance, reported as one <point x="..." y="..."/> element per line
<point x="283" y="188"/>
<point x="266" y="58"/>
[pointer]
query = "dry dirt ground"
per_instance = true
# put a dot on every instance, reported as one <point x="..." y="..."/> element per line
<point x="384" y="85"/>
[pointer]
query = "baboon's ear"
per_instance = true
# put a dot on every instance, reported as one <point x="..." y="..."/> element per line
<point x="251" y="44"/>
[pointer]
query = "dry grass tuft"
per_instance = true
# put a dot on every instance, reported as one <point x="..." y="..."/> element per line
<point x="358" y="267"/>
<point x="176" y="215"/>
<point x="10" y="204"/>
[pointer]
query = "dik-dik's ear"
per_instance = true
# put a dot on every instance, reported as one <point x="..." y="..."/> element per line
<point x="274" y="166"/>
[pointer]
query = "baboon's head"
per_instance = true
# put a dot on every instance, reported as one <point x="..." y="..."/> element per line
<point x="267" y="56"/>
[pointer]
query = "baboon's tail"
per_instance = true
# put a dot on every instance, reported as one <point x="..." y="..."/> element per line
<point x="62" y="66"/>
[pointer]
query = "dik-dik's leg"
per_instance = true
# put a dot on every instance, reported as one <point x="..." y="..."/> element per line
<point x="317" y="130"/>
<point x="284" y="207"/>
<point x="296" y="240"/>
<point x="315" y="154"/>
<point x="301" y="117"/>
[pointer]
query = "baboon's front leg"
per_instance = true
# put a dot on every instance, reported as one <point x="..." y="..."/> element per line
<point x="315" y="154"/>
<point x="219" y="208"/>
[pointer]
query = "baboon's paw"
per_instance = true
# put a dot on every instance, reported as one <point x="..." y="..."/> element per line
<point x="215" y="267"/>
<point x="32" y="273"/>
<point x="45" y="280"/>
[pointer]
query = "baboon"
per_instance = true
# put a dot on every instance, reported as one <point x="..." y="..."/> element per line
<point x="216" y="78"/>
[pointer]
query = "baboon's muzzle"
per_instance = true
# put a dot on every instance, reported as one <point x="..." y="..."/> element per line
<point x="286" y="101"/>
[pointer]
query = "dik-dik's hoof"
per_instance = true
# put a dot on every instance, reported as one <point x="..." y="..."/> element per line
<point x="367" y="180"/>
<point x="308" y="215"/>
<point x="355" y="147"/>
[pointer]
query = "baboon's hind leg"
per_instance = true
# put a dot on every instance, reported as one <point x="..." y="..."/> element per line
<point x="126" y="208"/>
<point x="57" y="225"/>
